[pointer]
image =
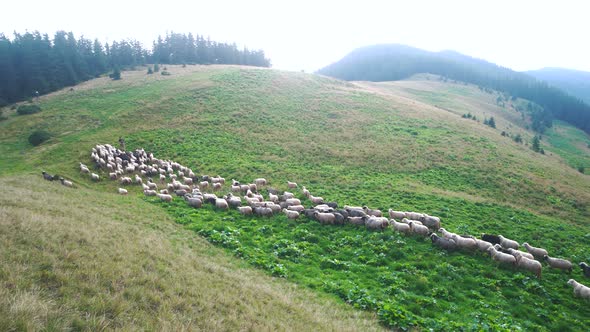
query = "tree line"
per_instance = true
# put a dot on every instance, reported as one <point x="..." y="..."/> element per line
<point x="395" y="62"/>
<point x="33" y="63"/>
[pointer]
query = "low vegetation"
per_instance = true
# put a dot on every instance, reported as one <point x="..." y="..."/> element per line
<point x="39" y="136"/>
<point x="399" y="145"/>
<point x="28" y="109"/>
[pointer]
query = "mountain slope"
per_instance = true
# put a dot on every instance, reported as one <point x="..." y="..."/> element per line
<point x="574" y="82"/>
<point x="395" y="62"/>
<point x="401" y="145"/>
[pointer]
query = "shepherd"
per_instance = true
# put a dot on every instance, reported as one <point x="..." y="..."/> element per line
<point x="122" y="143"/>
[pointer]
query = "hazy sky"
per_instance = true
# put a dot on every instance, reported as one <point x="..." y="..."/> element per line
<point x="296" y="35"/>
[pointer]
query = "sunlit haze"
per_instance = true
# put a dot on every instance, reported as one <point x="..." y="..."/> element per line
<point x="307" y="35"/>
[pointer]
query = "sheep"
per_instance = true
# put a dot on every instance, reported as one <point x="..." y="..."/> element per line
<point x="253" y="187"/>
<point x="193" y="201"/>
<point x="152" y="185"/>
<point x="529" y="264"/>
<point x="95" y="177"/>
<point x="293" y="201"/>
<point x="263" y="211"/>
<point x="145" y="186"/>
<point x="234" y="202"/>
<point x="444" y="243"/>
<point x="323" y="208"/>
<point x="148" y="192"/>
<point x="236" y="189"/>
<point x="180" y="192"/>
<point x="333" y="205"/>
<point x="163" y="191"/>
<point x="316" y="200"/>
<point x="113" y="176"/>
<point x="306" y="192"/>
<point x="355" y="212"/>
<point x="507" y="243"/>
<point x="286" y="195"/>
<point x="66" y="182"/>
<point x="130" y="169"/>
<point x="187" y="181"/>
<point x="501" y="257"/>
<point x="396" y="214"/>
<point x="217" y="186"/>
<point x="518" y="253"/>
<point x="483" y="245"/>
<point x="203" y="184"/>
<point x="558" y="263"/>
<point x="218" y="179"/>
<point x="84" y="168"/>
<point x="419" y="229"/>
<point x="585" y="269"/>
<point x="407" y="221"/>
<point x="356" y="220"/>
<point x="464" y="242"/>
<point x="291" y="185"/>
<point x="371" y="212"/>
<point x="344" y="213"/>
<point x="493" y="239"/>
<point x="273" y="197"/>
<point x="400" y="226"/>
<point x="325" y="218"/>
<point x="245" y="210"/>
<point x="339" y="219"/>
<point x="537" y="252"/>
<point x="579" y="289"/>
<point x="297" y="208"/>
<point x="162" y="178"/>
<point x="274" y="207"/>
<point x="165" y="197"/>
<point x="221" y="204"/>
<point x="291" y="214"/>
<point x="122" y="191"/>
<point x="431" y="222"/>
<point x="414" y="215"/>
<point x="125" y="180"/>
<point x="138" y="179"/>
<point x="260" y="182"/>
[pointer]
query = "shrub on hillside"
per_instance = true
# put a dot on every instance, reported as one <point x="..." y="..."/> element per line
<point x="28" y="109"/>
<point x="150" y="71"/>
<point x="165" y="73"/>
<point x="39" y="136"/>
<point x="116" y="75"/>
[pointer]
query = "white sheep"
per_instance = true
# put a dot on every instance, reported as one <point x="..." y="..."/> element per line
<point x="260" y="182"/>
<point x="529" y="265"/>
<point x="203" y="184"/>
<point x="66" y="182"/>
<point x="291" y="214"/>
<point x="316" y="199"/>
<point x="236" y="189"/>
<point x="138" y="179"/>
<point x="298" y="208"/>
<point x="95" y="177"/>
<point x="537" y="252"/>
<point x="414" y="215"/>
<point x="188" y="181"/>
<point x="507" y="243"/>
<point x="152" y="185"/>
<point x="221" y="203"/>
<point x="306" y="192"/>
<point x="501" y="257"/>
<point x="165" y="197"/>
<point x="558" y="263"/>
<point x="396" y="214"/>
<point x="372" y="212"/>
<point x="148" y="192"/>
<point x="325" y="218"/>
<point x="245" y="210"/>
<point x="125" y="180"/>
<point x="400" y="226"/>
<point x="291" y="185"/>
<point x="579" y="289"/>
<point x="464" y="242"/>
<point x="518" y="253"/>
<point x="407" y="221"/>
<point x="287" y="195"/>
<point x="419" y="229"/>
<point x="293" y="201"/>
<point x="84" y="168"/>
<point x="113" y="176"/>
<point x="122" y="191"/>
<point x="483" y="245"/>
<point x="273" y="198"/>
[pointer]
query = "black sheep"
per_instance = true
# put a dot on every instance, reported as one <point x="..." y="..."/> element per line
<point x="47" y="176"/>
<point x="333" y="205"/>
<point x="493" y="239"/>
<point x="586" y="269"/>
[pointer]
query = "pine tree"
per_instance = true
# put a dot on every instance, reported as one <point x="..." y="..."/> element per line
<point x="492" y="122"/>
<point x="536" y="144"/>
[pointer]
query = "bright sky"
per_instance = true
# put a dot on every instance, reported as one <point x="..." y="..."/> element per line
<point x="307" y="35"/>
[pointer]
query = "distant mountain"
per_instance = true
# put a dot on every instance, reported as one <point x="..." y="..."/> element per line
<point x="574" y="82"/>
<point x="391" y="62"/>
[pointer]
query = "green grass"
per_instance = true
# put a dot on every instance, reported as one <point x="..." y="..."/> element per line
<point x="383" y="145"/>
<point x="570" y="143"/>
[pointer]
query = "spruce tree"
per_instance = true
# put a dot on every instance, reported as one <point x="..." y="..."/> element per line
<point x="536" y="144"/>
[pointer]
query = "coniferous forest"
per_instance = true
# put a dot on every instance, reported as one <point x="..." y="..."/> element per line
<point x="33" y="63"/>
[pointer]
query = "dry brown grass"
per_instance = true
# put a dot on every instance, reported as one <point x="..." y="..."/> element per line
<point x="81" y="259"/>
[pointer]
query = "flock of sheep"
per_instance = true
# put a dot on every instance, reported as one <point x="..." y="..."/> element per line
<point x="175" y="179"/>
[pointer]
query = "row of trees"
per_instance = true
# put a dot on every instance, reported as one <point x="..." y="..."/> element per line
<point x="395" y="62"/>
<point x="32" y="63"/>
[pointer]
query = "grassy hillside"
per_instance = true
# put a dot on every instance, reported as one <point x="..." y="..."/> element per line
<point x="80" y="259"/>
<point x="399" y="145"/>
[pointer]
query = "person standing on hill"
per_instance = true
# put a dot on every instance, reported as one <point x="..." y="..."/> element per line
<point x="122" y="143"/>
